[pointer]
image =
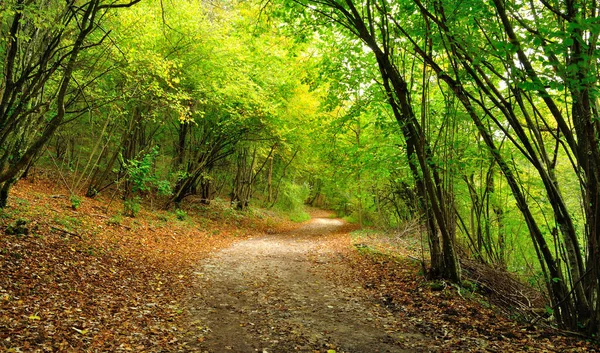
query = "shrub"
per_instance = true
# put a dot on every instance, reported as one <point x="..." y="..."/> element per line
<point x="75" y="202"/>
<point x="180" y="214"/>
<point x="132" y="206"/>
<point x="141" y="177"/>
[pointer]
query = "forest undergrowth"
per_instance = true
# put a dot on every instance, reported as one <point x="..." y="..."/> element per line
<point x="91" y="279"/>
<point x="469" y="318"/>
<point x="85" y="278"/>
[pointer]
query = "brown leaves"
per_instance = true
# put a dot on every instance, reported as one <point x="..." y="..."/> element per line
<point x="457" y="320"/>
<point x="119" y="285"/>
<point x="114" y="287"/>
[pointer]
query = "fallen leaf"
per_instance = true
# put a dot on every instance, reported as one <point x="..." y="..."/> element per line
<point x="83" y="332"/>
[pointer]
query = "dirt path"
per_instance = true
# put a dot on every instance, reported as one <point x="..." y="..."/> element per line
<point x="271" y="294"/>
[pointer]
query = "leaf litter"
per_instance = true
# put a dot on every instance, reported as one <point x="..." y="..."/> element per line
<point x="102" y="282"/>
<point x="89" y="280"/>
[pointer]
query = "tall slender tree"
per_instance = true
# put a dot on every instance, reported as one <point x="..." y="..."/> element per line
<point x="366" y="22"/>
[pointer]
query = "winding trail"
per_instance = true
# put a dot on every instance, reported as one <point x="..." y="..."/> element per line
<point x="271" y="294"/>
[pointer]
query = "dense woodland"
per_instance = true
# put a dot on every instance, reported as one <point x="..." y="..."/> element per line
<point x="474" y="123"/>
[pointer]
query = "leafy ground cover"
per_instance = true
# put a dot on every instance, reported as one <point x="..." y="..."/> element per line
<point x="458" y="319"/>
<point x="90" y="279"/>
<point x="85" y="278"/>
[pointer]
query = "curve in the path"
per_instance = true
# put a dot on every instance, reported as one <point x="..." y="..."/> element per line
<point x="270" y="294"/>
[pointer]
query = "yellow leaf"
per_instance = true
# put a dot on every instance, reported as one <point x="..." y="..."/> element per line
<point x="34" y="317"/>
<point x="83" y="332"/>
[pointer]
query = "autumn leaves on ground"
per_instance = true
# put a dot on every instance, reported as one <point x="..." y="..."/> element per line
<point x="84" y="278"/>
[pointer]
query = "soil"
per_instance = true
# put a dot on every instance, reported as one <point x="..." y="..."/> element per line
<point x="274" y="293"/>
<point x="213" y="280"/>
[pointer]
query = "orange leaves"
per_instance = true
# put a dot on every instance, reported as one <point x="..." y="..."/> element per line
<point x="115" y="287"/>
<point x="456" y="321"/>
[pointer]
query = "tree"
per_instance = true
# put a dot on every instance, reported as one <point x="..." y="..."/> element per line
<point x="42" y="42"/>
<point x="544" y="73"/>
<point x="362" y="21"/>
<point x="525" y="75"/>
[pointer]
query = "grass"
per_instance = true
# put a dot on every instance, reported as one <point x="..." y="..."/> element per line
<point x="299" y="217"/>
<point x="405" y="244"/>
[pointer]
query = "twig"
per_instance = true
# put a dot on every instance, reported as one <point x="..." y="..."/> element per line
<point x="415" y="258"/>
<point x="65" y="231"/>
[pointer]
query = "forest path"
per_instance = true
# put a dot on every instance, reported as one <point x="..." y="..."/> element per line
<point x="272" y="294"/>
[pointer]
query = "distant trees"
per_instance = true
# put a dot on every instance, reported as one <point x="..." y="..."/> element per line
<point x="436" y="202"/>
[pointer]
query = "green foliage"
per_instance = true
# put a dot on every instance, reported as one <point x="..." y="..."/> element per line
<point x="292" y="197"/>
<point x="6" y="213"/>
<point x="163" y="187"/>
<point x="132" y="206"/>
<point x="141" y="176"/>
<point x="115" y="220"/>
<point x="139" y="171"/>
<point x="67" y="222"/>
<point x="181" y="214"/>
<point x="291" y="201"/>
<point x="299" y="216"/>
<point x="438" y="286"/>
<point x="18" y="227"/>
<point x="470" y="286"/>
<point x="75" y="202"/>
<point x="365" y="249"/>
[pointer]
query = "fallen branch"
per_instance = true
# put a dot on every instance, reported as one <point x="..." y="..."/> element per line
<point x="65" y="231"/>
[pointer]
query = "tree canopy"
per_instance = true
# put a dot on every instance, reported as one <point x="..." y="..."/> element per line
<point x="477" y="121"/>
